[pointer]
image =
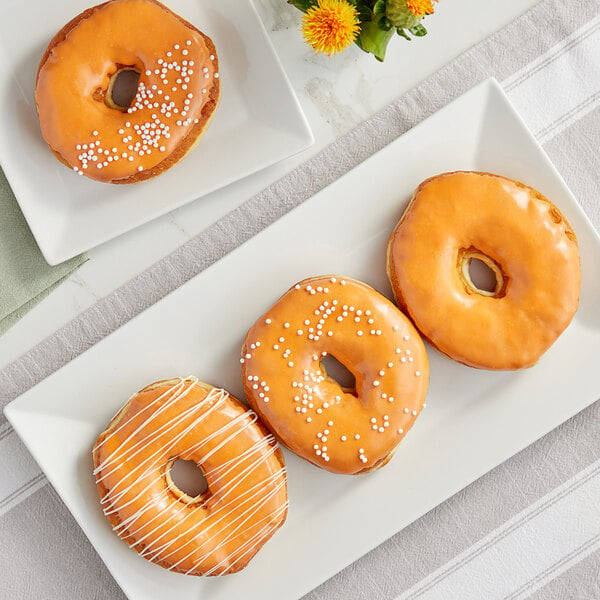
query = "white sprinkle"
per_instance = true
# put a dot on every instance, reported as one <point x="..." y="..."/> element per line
<point x="406" y="338"/>
<point x="375" y="383"/>
<point x="357" y="437"/>
<point x="359" y="333"/>
<point x="343" y="438"/>
<point x="381" y="430"/>
<point x="373" y="420"/>
<point x="308" y="419"/>
<point x="282" y="339"/>
<point x="382" y="373"/>
<point x="406" y="410"/>
<point x="417" y="373"/>
<point x="401" y="431"/>
<point x="390" y="365"/>
<point x="290" y="364"/>
<point x="330" y="423"/>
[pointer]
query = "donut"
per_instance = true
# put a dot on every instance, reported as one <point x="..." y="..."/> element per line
<point x="346" y="431"/>
<point x="177" y="94"/>
<point x="519" y="234"/>
<point x="217" y="532"/>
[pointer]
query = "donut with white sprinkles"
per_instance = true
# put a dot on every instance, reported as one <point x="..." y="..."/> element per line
<point x="339" y="429"/>
<point x="97" y="132"/>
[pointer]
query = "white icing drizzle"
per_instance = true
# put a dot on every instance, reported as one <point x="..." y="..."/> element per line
<point x="216" y="521"/>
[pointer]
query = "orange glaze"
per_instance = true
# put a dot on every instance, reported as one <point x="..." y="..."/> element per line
<point x="309" y="412"/>
<point x="520" y="234"/>
<point x="218" y="532"/>
<point x="177" y="72"/>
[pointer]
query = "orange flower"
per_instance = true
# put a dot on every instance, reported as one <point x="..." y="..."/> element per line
<point x="420" y="8"/>
<point x="330" y="26"/>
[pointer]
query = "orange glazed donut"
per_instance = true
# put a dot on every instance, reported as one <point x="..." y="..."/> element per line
<point x="217" y="532"/>
<point x="341" y="430"/>
<point x="178" y="90"/>
<point x="520" y="235"/>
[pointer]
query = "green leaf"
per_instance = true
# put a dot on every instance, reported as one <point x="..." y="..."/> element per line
<point x="379" y="8"/>
<point x="418" y="30"/>
<point x="385" y="24"/>
<point x="403" y="34"/>
<point x="373" y="39"/>
<point x="303" y="5"/>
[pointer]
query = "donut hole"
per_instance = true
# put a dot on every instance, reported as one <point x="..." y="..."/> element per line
<point x="482" y="277"/>
<point x="482" y="274"/>
<point x="122" y="88"/>
<point x="186" y="479"/>
<point x="337" y="371"/>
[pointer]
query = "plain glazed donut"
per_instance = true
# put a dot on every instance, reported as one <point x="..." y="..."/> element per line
<point x="521" y="236"/>
<point x="178" y="90"/>
<point x="340" y="430"/>
<point x="217" y="532"/>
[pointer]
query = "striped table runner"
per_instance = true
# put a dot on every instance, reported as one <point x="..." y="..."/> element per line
<point x="528" y="529"/>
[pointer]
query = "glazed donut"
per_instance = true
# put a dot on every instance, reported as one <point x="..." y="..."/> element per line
<point x="519" y="234"/>
<point x="217" y="532"/>
<point x="341" y="430"/>
<point x="178" y="90"/>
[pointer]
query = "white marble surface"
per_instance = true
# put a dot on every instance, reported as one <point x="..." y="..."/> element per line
<point x="336" y="94"/>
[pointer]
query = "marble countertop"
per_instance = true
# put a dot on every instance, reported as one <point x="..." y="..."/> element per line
<point x="336" y="94"/>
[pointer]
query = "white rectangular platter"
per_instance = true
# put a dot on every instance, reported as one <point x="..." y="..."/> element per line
<point x="258" y="122"/>
<point x="474" y="419"/>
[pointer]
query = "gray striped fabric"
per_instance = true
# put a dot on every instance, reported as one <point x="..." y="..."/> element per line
<point x="529" y="528"/>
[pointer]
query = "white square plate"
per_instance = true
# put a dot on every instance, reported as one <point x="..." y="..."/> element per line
<point x="474" y="420"/>
<point x="258" y="122"/>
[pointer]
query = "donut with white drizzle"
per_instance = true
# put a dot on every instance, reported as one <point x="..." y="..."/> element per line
<point x="217" y="532"/>
<point x="178" y="90"/>
<point x="340" y="430"/>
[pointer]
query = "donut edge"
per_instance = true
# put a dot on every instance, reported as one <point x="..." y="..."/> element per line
<point x="114" y="520"/>
<point x="391" y="268"/>
<point x="194" y="135"/>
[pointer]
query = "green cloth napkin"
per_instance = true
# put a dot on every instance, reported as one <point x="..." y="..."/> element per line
<point x="25" y="277"/>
